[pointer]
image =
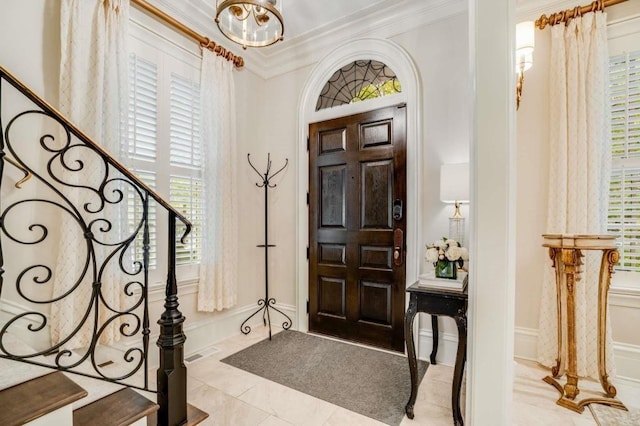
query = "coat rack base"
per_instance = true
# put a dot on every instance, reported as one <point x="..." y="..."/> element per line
<point x="264" y="307"/>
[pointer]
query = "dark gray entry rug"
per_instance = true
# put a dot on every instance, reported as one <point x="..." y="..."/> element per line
<point x="373" y="383"/>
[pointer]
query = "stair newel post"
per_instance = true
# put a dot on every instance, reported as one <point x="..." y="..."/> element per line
<point x="146" y="331"/>
<point x="172" y="373"/>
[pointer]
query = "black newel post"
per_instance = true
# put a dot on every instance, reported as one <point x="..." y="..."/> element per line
<point x="172" y="374"/>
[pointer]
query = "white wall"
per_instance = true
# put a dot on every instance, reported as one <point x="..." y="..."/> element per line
<point x="30" y="50"/>
<point x="532" y="190"/>
<point x="440" y="52"/>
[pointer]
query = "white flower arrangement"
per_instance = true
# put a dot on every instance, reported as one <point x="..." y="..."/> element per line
<point x="446" y="249"/>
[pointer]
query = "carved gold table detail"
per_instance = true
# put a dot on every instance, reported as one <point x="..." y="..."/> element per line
<point x="565" y="251"/>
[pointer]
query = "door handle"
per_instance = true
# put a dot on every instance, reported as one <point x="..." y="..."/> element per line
<point x="398" y="247"/>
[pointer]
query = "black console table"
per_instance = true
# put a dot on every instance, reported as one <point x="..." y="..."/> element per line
<point x="437" y="301"/>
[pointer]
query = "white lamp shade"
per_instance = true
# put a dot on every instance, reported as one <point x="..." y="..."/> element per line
<point x="525" y="38"/>
<point x="454" y="183"/>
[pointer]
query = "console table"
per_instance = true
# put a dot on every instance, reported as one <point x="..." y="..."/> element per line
<point x="565" y="250"/>
<point x="437" y="301"/>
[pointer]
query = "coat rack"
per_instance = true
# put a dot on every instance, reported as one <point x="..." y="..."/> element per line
<point x="268" y="302"/>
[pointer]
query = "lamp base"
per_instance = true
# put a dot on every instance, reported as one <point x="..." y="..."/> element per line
<point x="456" y="229"/>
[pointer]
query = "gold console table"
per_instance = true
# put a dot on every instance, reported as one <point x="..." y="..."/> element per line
<point x="565" y="250"/>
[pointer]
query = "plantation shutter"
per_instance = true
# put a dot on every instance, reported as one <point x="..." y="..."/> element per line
<point x="186" y="187"/>
<point x="624" y="204"/>
<point x="142" y="148"/>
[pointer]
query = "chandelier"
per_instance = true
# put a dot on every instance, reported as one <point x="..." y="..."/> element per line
<point x="253" y="23"/>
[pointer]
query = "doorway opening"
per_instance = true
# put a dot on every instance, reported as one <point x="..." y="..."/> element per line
<point x="395" y="58"/>
<point x="357" y="194"/>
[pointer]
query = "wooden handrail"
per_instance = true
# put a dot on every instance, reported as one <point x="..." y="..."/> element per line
<point x="84" y="138"/>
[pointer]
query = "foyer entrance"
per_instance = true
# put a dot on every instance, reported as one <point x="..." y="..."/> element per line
<point x="357" y="227"/>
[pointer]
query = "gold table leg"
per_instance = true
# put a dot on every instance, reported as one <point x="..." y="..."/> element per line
<point x="554" y="254"/>
<point x="609" y="259"/>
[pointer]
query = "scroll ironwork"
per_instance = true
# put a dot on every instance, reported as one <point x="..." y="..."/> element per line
<point x="70" y="179"/>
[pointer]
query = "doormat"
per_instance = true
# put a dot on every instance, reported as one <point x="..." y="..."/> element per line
<point x="373" y="383"/>
<point x="608" y="416"/>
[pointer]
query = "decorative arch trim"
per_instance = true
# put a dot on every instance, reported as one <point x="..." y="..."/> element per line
<point x="394" y="56"/>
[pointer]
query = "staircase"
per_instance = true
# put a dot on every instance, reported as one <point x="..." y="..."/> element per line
<point x="112" y="217"/>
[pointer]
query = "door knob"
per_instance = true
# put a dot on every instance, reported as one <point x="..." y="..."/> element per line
<point x="398" y="247"/>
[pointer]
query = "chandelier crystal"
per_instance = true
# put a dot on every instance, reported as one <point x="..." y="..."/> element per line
<point x="253" y="23"/>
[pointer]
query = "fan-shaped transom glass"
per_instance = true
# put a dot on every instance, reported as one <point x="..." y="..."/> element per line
<point x="358" y="81"/>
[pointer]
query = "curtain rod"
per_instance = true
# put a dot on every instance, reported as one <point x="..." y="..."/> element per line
<point x="238" y="61"/>
<point x="565" y="16"/>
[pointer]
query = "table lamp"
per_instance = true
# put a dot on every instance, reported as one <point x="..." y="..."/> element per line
<point x="454" y="188"/>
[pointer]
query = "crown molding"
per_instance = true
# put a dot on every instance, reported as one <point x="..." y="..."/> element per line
<point x="310" y="47"/>
<point x="382" y="23"/>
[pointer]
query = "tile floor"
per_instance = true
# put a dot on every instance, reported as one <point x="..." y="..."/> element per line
<point x="235" y="397"/>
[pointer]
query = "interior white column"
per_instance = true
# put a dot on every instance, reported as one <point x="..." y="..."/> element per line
<point x="492" y="214"/>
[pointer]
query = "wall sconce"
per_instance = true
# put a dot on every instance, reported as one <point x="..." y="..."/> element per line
<point x="454" y="188"/>
<point x="525" y="43"/>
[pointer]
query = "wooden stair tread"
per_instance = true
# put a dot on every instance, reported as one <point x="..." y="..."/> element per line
<point x="118" y="409"/>
<point x="194" y="416"/>
<point x="32" y="399"/>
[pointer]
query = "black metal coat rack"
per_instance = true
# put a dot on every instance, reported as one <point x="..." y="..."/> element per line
<point x="267" y="302"/>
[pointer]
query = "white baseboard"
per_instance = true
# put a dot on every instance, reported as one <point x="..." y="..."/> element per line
<point x="204" y="334"/>
<point x="627" y="357"/>
<point x="447" y="347"/>
<point x="627" y="361"/>
<point x="39" y="339"/>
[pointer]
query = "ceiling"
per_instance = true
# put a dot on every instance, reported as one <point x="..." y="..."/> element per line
<point x="315" y="27"/>
<point x="302" y="16"/>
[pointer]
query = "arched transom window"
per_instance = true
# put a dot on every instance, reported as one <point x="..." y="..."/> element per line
<point x="358" y="81"/>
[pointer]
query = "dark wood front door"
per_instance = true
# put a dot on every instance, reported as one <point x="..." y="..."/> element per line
<point x="357" y="205"/>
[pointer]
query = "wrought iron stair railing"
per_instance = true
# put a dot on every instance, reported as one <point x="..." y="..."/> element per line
<point x="109" y="208"/>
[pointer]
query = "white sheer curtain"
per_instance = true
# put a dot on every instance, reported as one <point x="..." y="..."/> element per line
<point x="93" y="95"/>
<point x="218" y="287"/>
<point x="579" y="174"/>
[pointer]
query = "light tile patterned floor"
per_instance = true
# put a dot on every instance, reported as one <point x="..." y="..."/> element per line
<point x="236" y="397"/>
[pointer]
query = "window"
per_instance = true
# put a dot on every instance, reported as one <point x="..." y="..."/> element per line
<point x="624" y="204"/>
<point x="164" y="148"/>
<point x="358" y="81"/>
<point x="141" y="147"/>
<point x="185" y="184"/>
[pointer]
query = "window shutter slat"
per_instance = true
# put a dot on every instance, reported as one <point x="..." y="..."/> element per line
<point x="143" y="100"/>
<point x="184" y="122"/>
<point x="186" y="194"/>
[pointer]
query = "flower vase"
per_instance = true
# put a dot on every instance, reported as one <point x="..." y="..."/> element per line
<point x="446" y="269"/>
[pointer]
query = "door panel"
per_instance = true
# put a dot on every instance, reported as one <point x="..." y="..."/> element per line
<point x="356" y="172"/>
<point x="376" y="194"/>
<point x="332" y="196"/>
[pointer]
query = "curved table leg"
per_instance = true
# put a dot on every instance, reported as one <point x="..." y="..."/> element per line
<point x="609" y="259"/>
<point x="556" y="370"/>
<point x="461" y="358"/>
<point x="434" y="331"/>
<point x="411" y="354"/>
